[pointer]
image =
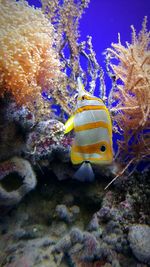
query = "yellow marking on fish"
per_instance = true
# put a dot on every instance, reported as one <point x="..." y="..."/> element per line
<point x="86" y="97"/>
<point x="91" y="125"/>
<point x="109" y="125"/>
<point x="82" y="153"/>
<point x="93" y="148"/>
<point x="90" y="107"/>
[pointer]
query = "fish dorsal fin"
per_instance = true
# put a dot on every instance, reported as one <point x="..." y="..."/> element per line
<point x="80" y="84"/>
<point x="81" y="89"/>
<point x="69" y="125"/>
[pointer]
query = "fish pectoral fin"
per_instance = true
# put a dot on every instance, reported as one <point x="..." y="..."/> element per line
<point x="69" y="125"/>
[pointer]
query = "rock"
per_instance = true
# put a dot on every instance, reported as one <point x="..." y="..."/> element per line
<point x="26" y="174"/>
<point x="62" y="170"/>
<point x="67" y="214"/>
<point x="20" y="115"/>
<point x="44" y="140"/>
<point x="76" y="235"/>
<point x="58" y="229"/>
<point x="90" y="247"/>
<point x="94" y="224"/>
<point x="139" y="239"/>
<point x="68" y="199"/>
<point x="63" y="245"/>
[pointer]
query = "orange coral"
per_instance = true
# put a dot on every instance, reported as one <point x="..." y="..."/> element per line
<point x="28" y="61"/>
<point x="130" y="97"/>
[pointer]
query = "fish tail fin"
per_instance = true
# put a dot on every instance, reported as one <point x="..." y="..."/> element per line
<point x="85" y="173"/>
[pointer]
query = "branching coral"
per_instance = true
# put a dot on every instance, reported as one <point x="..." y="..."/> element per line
<point x="129" y="99"/>
<point x="28" y="60"/>
<point x="65" y="16"/>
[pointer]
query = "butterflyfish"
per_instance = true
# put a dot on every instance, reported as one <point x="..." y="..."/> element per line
<point x="93" y="134"/>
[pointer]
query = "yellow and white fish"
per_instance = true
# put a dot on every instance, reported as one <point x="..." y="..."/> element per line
<point x="93" y="134"/>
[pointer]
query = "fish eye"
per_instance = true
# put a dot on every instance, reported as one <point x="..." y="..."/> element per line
<point x="83" y="97"/>
<point x="103" y="148"/>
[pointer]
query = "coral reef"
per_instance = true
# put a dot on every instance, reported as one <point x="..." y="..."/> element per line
<point x="46" y="136"/>
<point x="129" y="99"/>
<point x="42" y="143"/>
<point x="68" y="223"/>
<point x="39" y="231"/>
<point x="27" y="176"/>
<point x="48" y="147"/>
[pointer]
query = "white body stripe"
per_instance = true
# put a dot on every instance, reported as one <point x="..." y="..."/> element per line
<point x="91" y="116"/>
<point x="86" y="102"/>
<point x="87" y="156"/>
<point x="92" y="136"/>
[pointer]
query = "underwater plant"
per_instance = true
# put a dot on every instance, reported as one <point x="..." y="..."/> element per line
<point x="65" y="16"/>
<point x="28" y="61"/>
<point x="40" y="54"/>
<point x="129" y="99"/>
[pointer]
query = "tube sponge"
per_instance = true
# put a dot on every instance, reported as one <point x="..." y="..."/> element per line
<point x="28" y="60"/>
